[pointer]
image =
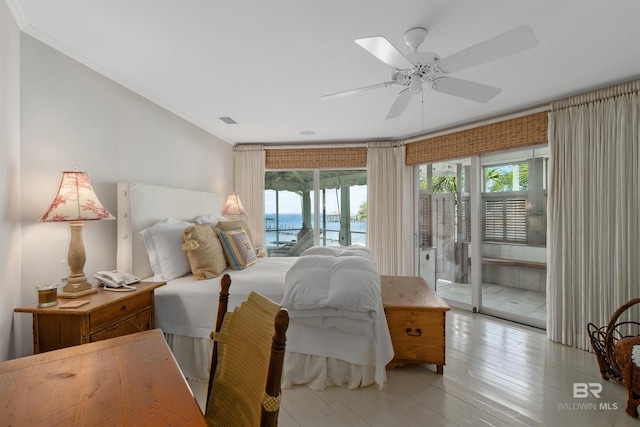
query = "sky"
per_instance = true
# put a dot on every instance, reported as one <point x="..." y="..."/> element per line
<point x="291" y="202"/>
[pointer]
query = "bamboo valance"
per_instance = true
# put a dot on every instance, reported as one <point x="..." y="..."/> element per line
<point x="519" y="132"/>
<point x="316" y="158"/>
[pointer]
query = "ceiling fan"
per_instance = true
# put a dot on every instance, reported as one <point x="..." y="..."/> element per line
<point x="418" y="68"/>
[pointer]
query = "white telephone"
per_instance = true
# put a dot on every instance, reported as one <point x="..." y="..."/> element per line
<point x="116" y="281"/>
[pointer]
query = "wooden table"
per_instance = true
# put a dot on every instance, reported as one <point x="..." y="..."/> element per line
<point x="124" y="381"/>
<point x="107" y="314"/>
<point x="416" y="318"/>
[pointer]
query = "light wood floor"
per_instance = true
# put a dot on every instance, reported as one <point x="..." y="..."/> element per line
<point x="496" y="374"/>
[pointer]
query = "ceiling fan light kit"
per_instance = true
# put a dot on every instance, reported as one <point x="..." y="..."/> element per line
<point x="416" y="69"/>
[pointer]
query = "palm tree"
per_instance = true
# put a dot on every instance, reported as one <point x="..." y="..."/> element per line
<point x="501" y="178"/>
<point x="362" y="211"/>
<point x="444" y="184"/>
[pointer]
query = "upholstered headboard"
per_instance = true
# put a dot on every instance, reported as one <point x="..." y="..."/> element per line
<point x="141" y="205"/>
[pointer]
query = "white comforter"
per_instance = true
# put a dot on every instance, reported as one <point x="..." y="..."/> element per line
<point x="333" y="295"/>
<point x="317" y="281"/>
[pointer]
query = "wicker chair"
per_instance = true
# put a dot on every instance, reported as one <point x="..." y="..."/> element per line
<point x="612" y="346"/>
<point x="633" y="391"/>
<point x="246" y="367"/>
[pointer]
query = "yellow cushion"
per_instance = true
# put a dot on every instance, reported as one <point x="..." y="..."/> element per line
<point x="204" y="251"/>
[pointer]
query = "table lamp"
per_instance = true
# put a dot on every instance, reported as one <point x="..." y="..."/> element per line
<point x="75" y="202"/>
<point x="233" y="206"/>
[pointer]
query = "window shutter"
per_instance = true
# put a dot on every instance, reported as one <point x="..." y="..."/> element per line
<point x="424" y="222"/>
<point x="515" y="221"/>
<point x="505" y="220"/>
<point x="465" y="219"/>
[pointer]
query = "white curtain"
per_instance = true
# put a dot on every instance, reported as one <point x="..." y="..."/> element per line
<point x="389" y="208"/>
<point x="594" y="224"/>
<point x="249" y="177"/>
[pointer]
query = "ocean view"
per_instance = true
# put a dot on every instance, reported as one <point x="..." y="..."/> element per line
<point x="290" y="223"/>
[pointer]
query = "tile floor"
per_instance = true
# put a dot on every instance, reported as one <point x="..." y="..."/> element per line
<point x="522" y="302"/>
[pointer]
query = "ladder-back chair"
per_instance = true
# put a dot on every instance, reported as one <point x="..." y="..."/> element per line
<point x="246" y="367"/>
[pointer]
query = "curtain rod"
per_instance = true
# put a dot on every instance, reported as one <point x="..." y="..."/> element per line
<point x="241" y="147"/>
<point x="597" y="95"/>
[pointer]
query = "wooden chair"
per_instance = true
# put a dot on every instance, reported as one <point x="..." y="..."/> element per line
<point x="246" y="367"/>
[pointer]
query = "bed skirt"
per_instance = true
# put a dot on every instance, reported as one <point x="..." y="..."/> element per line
<point x="319" y="372"/>
<point x="192" y="354"/>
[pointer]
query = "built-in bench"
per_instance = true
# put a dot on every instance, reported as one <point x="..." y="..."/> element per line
<point x="515" y="263"/>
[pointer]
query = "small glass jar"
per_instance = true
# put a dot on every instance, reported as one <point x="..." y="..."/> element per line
<point x="47" y="295"/>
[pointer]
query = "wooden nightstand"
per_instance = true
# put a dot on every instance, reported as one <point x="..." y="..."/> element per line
<point x="107" y="315"/>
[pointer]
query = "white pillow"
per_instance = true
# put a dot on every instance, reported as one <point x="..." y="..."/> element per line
<point x="162" y="241"/>
<point x="209" y="219"/>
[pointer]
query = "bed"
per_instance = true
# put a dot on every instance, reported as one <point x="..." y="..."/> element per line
<point x="186" y="308"/>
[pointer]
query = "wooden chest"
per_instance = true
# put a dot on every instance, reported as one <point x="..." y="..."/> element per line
<point x="416" y="319"/>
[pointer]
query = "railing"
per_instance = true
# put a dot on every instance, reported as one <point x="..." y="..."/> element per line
<point x="328" y="237"/>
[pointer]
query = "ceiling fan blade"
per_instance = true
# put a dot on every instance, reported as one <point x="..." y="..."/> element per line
<point x="353" y="91"/>
<point x="400" y="104"/>
<point x="382" y="49"/>
<point x="514" y="41"/>
<point x="466" y="89"/>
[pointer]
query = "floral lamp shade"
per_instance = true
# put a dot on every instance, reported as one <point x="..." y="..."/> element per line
<point x="75" y="200"/>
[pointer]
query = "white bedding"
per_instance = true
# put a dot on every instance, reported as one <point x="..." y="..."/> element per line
<point x="189" y="308"/>
<point x="186" y="310"/>
<point x="333" y="295"/>
<point x="319" y="281"/>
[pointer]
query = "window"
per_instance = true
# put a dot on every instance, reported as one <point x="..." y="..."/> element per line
<point x="514" y="198"/>
<point x="513" y="177"/>
<point x="505" y="220"/>
<point x="290" y="209"/>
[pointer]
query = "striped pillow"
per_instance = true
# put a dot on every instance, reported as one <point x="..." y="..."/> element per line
<point x="237" y="248"/>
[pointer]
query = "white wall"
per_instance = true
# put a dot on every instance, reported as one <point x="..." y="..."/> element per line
<point x="10" y="252"/>
<point x="73" y="116"/>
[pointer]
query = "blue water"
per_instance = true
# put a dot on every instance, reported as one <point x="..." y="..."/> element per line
<point x="290" y="223"/>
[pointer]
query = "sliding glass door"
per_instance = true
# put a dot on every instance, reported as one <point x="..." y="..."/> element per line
<point x="292" y="199"/>
<point x="445" y="228"/>
<point x="513" y="235"/>
<point x="482" y="233"/>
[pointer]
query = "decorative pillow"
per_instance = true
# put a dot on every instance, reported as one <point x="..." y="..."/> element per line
<point x="162" y="241"/>
<point x="235" y="224"/>
<point x="237" y="248"/>
<point x="227" y="225"/>
<point x="204" y="251"/>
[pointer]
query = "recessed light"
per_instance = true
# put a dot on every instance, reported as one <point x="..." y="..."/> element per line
<point x="307" y="132"/>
